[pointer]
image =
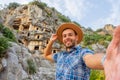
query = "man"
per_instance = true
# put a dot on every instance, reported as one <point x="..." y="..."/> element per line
<point x="75" y="62"/>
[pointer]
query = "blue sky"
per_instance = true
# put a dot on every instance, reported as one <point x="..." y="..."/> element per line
<point x="89" y="13"/>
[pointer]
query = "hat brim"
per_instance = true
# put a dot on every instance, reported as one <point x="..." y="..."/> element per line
<point x="72" y="26"/>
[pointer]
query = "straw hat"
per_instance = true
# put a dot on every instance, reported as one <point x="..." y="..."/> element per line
<point x="72" y="26"/>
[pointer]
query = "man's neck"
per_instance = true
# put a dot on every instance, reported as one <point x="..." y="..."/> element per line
<point x="68" y="49"/>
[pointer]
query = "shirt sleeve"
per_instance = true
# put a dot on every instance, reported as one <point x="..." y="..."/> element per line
<point x="55" y="56"/>
<point x="87" y="51"/>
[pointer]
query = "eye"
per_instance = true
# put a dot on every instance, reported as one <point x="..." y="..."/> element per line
<point x="64" y="36"/>
<point x="70" y="34"/>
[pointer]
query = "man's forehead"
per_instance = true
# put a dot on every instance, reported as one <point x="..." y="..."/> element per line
<point x="68" y="29"/>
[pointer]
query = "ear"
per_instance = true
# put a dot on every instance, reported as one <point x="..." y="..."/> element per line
<point x="76" y="37"/>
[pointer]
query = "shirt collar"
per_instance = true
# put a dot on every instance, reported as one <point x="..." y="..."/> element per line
<point x="74" y="48"/>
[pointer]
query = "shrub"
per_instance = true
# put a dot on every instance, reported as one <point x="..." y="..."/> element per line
<point x="53" y="8"/>
<point x="1" y="27"/>
<point x="39" y="4"/>
<point x="97" y="75"/>
<point x="64" y="18"/>
<point x="93" y="39"/>
<point x="31" y="66"/>
<point x="13" y="5"/>
<point x="4" y="44"/>
<point x="99" y="30"/>
<point x="76" y="23"/>
<point x="108" y="37"/>
<point x="8" y="34"/>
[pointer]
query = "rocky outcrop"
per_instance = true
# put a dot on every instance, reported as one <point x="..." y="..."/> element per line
<point x="32" y="27"/>
<point x="108" y="29"/>
<point x="32" y="24"/>
<point x="15" y="65"/>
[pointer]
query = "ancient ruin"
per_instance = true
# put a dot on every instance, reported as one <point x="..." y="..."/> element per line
<point x="34" y="26"/>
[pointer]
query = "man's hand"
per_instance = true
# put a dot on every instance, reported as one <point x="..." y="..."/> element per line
<point x="53" y="37"/>
<point x="112" y="61"/>
<point x="48" y="50"/>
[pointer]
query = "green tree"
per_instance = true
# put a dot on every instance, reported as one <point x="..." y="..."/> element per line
<point x="13" y="5"/>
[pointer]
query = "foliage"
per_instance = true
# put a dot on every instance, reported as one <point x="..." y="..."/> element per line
<point x="91" y="39"/>
<point x="31" y="66"/>
<point x="63" y="18"/>
<point x="76" y="23"/>
<point x="108" y="37"/>
<point x="8" y="34"/>
<point x="39" y="4"/>
<point x="96" y="38"/>
<point x="53" y="8"/>
<point x="99" y="30"/>
<point x="13" y="5"/>
<point x="90" y="47"/>
<point x="97" y="75"/>
<point x="1" y="27"/>
<point x="89" y="29"/>
<point x="4" y="44"/>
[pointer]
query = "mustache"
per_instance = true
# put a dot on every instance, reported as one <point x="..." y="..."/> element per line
<point x="68" y="40"/>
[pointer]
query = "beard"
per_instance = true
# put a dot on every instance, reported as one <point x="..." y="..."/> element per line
<point x="70" y="44"/>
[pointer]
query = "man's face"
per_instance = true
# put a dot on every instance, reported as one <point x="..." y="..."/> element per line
<point x="69" y="38"/>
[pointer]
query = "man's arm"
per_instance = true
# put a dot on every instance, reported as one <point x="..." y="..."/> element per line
<point x="93" y="61"/>
<point x="48" y="50"/>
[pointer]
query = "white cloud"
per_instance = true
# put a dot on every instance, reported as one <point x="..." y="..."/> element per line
<point x="75" y="9"/>
<point x="78" y="10"/>
<point x="112" y="18"/>
<point x="115" y="12"/>
<point x="18" y="1"/>
<point x="53" y="3"/>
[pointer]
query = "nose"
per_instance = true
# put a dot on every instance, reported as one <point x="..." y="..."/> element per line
<point x="67" y="38"/>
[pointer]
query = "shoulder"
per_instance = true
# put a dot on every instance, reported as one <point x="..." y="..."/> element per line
<point x="58" y="54"/>
<point x="86" y="51"/>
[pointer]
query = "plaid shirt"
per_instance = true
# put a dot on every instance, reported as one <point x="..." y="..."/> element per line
<point x="70" y="65"/>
